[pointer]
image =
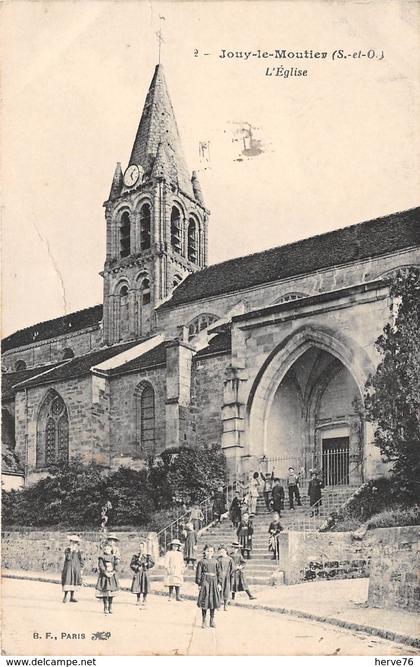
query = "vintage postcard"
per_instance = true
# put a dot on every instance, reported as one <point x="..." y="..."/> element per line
<point x="210" y="292"/>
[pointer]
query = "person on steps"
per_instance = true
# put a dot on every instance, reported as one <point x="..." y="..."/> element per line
<point x="293" y="488"/>
<point x="244" y="534"/>
<point x="315" y="493"/>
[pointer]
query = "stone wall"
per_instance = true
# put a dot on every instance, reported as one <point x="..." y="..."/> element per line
<point x="123" y="435"/>
<point x="207" y="391"/>
<point x="44" y="551"/>
<point x="319" y="556"/>
<point x="88" y="432"/>
<point x="395" y="569"/>
<point x="51" y="350"/>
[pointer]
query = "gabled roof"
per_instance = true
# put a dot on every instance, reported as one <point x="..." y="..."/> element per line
<point x="59" y="326"/>
<point x="357" y="242"/>
<point x="8" y="380"/>
<point x="77" y="367"/>
<point x="157" y="139"/>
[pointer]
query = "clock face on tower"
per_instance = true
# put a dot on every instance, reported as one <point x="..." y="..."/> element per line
<point x="131" y="175"/>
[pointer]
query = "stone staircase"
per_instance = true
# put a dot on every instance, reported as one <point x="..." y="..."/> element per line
<point x="260" y="567"/>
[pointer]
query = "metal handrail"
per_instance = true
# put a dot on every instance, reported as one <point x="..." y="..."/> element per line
<point x="325" y="501"/>
<point x="172" y="529"/>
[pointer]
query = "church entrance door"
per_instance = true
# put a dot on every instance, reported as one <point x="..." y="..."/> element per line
<point x="335" y="461"/>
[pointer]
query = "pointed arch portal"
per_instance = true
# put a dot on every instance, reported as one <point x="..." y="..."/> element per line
<point x="305" y="408"/>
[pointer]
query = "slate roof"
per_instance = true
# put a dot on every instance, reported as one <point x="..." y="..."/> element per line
<point x="79" y="366"/>
<point x="157" y="145"/>
<point x="59" y="326"/>
<point x="219" y="344"/>
<point x="10" y="379"/>
<point x="150" y="359"/>
<point x="357" y="242"/>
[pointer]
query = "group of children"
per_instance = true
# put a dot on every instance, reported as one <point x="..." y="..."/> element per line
<point x="218" y="578"/>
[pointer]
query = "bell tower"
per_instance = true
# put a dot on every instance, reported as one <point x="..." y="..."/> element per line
<point x="156" y="222"/>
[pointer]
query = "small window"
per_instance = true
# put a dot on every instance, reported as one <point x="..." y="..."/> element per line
<point x="200" y="323"/>
<point x="176" y="230"/>
<point x="20" y="365"/>
<point x="145" y="292"/>
<point x="125" y="234"/>
<point x="68" y="353"/>
<point x="192" y="241"/>
<point x="145" y="227"/>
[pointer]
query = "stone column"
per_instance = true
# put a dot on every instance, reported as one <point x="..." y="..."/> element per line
<point x="233" y="417"/>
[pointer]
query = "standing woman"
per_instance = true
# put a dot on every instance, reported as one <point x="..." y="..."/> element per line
<point x="107" y="584"/>
<point x="208" y="577"/>
<point x="71" y="575"/>
<point x="141" y="563"/>
<point x="174" y="565"/>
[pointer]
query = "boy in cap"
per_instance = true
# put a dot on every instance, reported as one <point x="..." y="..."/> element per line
<point x="71" y="575"/>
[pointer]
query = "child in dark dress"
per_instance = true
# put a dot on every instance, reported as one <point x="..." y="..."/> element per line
<point x="208" y="577"/>
<point x="141" y="563"/>
<point x="238" y="579"/>
<point x="245" y="532"/>
<point x="107" y="584"/>
<point x="274" y="531"/>
<point x="71" y="575"/>
<point x="226" y="566"/>
<point x="190" y="545"/>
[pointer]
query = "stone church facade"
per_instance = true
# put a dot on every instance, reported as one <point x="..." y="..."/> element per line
<point x="266" y="354"/>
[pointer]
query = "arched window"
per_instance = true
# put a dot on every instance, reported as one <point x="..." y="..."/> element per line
<point x="200" y="323"/>
<point x="52" y="431"/>
<point x="176" y="230"/>
<point x="68" y="353"/>
<point x="125" y="234"/>
<point x="20" y="365"/>
<point x="145" y="417"/>
<point x="145" y="291"/>
<point x="124" y="311"/>
<point x="192" y="240"/>
<point x="145" y="227"/>
<point x="291" y="296"/>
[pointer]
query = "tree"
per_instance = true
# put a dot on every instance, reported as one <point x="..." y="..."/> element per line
<point x="392" y="393"/>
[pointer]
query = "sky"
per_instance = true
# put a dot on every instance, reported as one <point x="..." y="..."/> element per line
<point x="335" y="147"/>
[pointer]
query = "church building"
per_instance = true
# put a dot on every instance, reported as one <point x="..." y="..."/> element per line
<point x="265" y="354"/>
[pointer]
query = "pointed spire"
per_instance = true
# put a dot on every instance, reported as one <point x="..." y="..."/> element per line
<point x="158" y="131"/>
<point x="117" y="182"/>
<point x="197" y="188"/>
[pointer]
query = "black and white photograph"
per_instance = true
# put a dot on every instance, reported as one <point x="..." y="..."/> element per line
<point x="210" y="329"/>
